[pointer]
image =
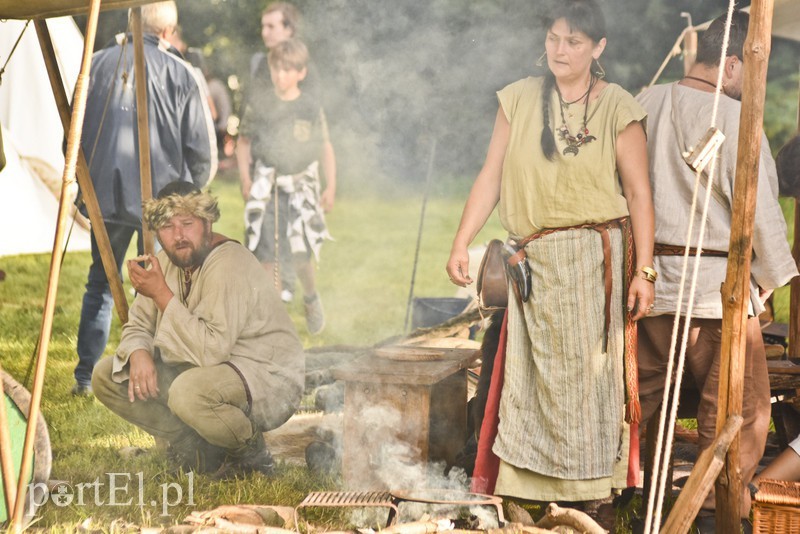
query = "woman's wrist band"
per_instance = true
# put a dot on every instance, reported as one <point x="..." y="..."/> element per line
<point x="649" y="274"/>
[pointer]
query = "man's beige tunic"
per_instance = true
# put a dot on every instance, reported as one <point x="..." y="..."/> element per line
<point x="231" y="315"/>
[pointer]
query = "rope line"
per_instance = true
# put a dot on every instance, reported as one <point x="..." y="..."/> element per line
<point x="13" y="49"/>
<point x="661" y="465"/>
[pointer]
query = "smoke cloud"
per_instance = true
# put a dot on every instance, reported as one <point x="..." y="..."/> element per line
<point x="405" y="73"/>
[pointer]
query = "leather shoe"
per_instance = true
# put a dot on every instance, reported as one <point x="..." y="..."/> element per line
<point x="253" y="457"/>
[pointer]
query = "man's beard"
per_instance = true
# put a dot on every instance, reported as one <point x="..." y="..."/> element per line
<point x="195" y="258"/>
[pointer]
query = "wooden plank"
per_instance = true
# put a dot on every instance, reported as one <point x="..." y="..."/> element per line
<point x="448" y="428"/>
<point x="380" y="370"/>
<point x="705" y="470"/>
<point x="385" y="428"/>
<point x="736" y="288"/>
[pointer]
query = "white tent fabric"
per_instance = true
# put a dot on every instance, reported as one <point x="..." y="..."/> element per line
<point x="28" y="209"/>
<point x="33" y="137"/>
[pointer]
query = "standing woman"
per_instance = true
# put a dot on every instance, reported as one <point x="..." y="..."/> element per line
<point x="568" y="164"/>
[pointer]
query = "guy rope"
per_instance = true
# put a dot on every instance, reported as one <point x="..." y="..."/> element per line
<point x="734" y="297"/>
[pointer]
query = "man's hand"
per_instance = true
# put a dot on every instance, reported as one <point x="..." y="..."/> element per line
<point x="149" y="280"/>
<point x="143" y="382"/>
<point x="326" y="199"/>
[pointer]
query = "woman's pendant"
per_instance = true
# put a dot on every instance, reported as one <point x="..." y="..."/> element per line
<point x="574" y="142"/>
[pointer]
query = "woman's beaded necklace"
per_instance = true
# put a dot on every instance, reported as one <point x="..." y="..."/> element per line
<point x="574" y="142"/>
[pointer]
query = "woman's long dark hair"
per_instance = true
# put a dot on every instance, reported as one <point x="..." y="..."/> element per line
<point x="584" y="16"/>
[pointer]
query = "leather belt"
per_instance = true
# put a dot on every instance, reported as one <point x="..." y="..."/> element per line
<point x="660" y="249"/>
<point x="602" y="228"/>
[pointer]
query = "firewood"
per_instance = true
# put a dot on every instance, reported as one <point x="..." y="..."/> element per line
<point x="518" y="514"/>
<point x="448" y="343"/>
<point x="470" y="316"/>
<point x="289" y="441"/>
<point x="705" y="471"/>
<point x="417" y="527"/>
<point x="575" y="519"/>
<point x="244" y="516"/>
<point x="516" y="528"/>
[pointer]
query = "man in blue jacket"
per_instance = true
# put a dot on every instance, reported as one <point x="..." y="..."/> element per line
<point x="183" y="149"/>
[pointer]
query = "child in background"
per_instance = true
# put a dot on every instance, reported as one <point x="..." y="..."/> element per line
<point x="283" y="140"/>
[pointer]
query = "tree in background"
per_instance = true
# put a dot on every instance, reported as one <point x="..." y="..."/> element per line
<point x="400" y="73"/>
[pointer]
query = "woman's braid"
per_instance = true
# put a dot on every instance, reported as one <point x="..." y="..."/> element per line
<point x="548" y="140"/>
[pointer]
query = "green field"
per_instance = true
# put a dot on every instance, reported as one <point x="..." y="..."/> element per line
<point x="364" y="281"/>
<point x="364" y="278"/>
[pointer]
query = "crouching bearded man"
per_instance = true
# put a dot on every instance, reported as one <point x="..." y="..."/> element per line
<point x="209" y="358"/>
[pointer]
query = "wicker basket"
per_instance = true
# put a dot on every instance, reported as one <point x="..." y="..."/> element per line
<point x="776" y="508"/>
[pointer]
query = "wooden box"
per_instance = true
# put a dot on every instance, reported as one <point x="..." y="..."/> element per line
<point x="401" y="414"/>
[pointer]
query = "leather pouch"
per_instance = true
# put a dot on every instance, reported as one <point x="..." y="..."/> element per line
<point x="492" y="283"/>
<point x="500" y="262"/>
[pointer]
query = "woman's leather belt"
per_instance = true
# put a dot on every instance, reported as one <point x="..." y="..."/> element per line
<point x="602" y="228"/>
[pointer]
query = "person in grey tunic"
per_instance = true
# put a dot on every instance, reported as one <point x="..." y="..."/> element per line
<point x="209" y="359"/>
<point x="679" y="115"/>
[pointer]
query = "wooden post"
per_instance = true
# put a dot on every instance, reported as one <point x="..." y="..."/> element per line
<point x="736" y="288"/>
<point x="140" y="77"/>
<point x="85" y="181"/>
<point x="706" y="469"/>
<point x="6" y="458"/>
<point x="689" y="49"/>
<point x="794" y="295"/>
<point x="73" y="145"/>
<point x="794" y="298"/>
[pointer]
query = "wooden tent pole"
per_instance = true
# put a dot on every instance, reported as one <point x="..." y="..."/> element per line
<point x="6" y="458"/>
<point x="794" y="298"/>
<point x="85" y="181"/>
<point x="71" y="157"/>
<point x="689" y="49"/>
<point x="140" y="76"/>
<point x="736" y="288"/>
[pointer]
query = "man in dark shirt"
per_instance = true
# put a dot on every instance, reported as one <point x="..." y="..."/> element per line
<point x="179" y="125"/>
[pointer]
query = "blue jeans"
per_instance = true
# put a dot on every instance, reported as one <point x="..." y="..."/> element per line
<point x="98" y="302"/>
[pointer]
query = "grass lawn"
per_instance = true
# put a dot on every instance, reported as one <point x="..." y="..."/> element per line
<point x="363" y="278"/>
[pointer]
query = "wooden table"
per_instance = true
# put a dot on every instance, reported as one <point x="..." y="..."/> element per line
<point x="402" y="414"/>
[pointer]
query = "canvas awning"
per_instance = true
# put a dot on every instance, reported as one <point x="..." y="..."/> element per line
<point x="786" y="19"/>
<point x="39" y="9"/>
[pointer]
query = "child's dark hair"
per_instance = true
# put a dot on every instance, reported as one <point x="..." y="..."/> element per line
<point x="581" y="15"/>
<point x="290" y="54"/>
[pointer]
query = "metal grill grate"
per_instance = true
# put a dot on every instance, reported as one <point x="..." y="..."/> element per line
<point x="353" y="499"/>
